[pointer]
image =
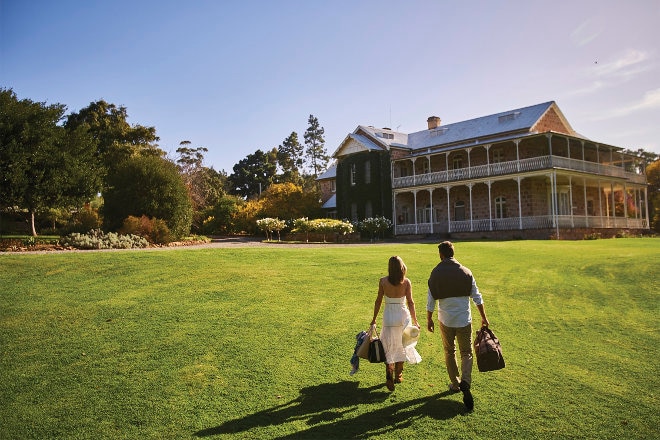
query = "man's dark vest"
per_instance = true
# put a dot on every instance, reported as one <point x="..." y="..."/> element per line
<point x="449" y="279"/>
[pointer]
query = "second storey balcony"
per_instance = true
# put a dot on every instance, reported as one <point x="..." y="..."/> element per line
<point x="481" y="159"/>
<point x="515" y="167"/>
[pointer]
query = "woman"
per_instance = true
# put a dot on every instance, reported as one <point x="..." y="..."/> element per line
<point x="399" y="308"/>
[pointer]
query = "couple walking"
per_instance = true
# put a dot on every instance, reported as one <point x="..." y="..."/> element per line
<point x="450" y="286"/>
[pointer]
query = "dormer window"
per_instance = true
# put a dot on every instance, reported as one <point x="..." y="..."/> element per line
<point x="384" y="135"/>
<point x="438" y="131"/>
<point x="508" y="117"/>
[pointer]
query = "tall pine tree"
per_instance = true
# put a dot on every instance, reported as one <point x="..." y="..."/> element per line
<point x="316" y="154"/>
<point x="290" y="158"/>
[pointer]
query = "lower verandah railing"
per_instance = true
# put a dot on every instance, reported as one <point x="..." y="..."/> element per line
<point x="513" y="223"/>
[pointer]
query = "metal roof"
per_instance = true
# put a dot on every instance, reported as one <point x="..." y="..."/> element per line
<point x="498" y="124"/>
<point x="330" y="203"/>
<point x="330" y="173"/>
<point x="509" y="124"/>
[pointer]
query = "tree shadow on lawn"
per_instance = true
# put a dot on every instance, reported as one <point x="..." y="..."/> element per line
<point x="325" y="406"/>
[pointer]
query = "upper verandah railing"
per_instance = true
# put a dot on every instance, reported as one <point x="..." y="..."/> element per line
<point x="514" y="167"/>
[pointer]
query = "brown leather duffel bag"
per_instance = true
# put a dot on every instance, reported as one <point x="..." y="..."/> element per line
<point x="488" y="350"/>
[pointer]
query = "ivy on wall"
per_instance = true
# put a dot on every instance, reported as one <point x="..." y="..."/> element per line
<point x="376" y="188"/>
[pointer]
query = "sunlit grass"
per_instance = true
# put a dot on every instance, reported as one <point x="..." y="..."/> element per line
<point x="256" y="342"/>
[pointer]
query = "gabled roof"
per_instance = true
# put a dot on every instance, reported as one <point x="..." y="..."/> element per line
<point x="384" y="136"/>
<point x="356" y="142"/>
<point x="508" y="124"/>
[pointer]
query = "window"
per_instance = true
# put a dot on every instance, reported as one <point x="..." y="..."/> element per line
<point x="564" y="203"/>
<point x="459" y="211"/>
<point x="368" y="211"/>
<point x="438" y="131"/>
<point x="458" y="162"/>
<point x="500" y="207"/>
<point x="425" y="167"/>
<point x="367" y="172"/>
<point x="508" y="117"/>
<point x="498" y="156"/>
<point x="425" y="214"/>
<point x="353" y="174"/>
<point x="333" y="185"/>
<point x="354" y="214"/>
<point x="404" y="217"/>
<point x="590" y="207"/>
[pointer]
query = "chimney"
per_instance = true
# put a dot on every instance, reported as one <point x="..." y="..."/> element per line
<point x="434" y="122"/>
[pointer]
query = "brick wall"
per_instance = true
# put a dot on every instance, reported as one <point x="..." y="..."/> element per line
<point x="551" y="122"/>
<point x="326" y="189"/>
<point x="398" y="154"/>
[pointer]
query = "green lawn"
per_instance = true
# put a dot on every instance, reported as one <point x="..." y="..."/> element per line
<point x="256" y="342"/>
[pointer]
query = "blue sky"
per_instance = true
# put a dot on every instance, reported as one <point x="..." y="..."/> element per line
<point x="237" y="76"/>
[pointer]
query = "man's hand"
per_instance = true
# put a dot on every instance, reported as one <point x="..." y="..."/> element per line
<point x="430" y="325"/>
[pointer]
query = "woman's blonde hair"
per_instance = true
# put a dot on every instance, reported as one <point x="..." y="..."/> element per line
<point x="396" y="270"/>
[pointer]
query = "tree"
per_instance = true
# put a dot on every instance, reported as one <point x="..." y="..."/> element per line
<point x="190" y="159"/>
<point x="253" y="174"/>
<point x="290" y="158"/>
<point x="117" y="139"/>
<point x="289" y="201"/>
<point x="244" y="220"/>
<point x="317" y="156"/>
<point x="219" y="219"/>
<point x="151" y="186"/>
<point x="42" y="165"/>
<point x="644" y="157"/>
<point x="205" y="185"/>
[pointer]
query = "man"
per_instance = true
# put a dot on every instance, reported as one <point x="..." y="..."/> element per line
<point x="452" y="285"/>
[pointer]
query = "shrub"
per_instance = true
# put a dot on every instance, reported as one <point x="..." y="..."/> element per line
<point x="96" y="239"/>
<point x="270" y="225"/>
<point x="375" y="226"/>
<point x="87" y="219"/>
<point x="302" y="225"/>
<point x="155" y="230"/>
<point x="328" y="225"/>
<point x="219" y="218"/>
<point x="160" y="233"/>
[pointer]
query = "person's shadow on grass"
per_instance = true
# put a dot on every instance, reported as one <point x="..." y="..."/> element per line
<point x="326" y="409"/>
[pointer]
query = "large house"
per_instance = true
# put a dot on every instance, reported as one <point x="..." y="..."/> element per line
<point x="523" y="173"/>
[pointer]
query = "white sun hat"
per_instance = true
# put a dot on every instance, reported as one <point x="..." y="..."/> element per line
<point x="410" y="335"/>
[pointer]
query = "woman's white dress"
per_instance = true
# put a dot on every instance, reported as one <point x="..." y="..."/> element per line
<point x="396" y="317"/>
